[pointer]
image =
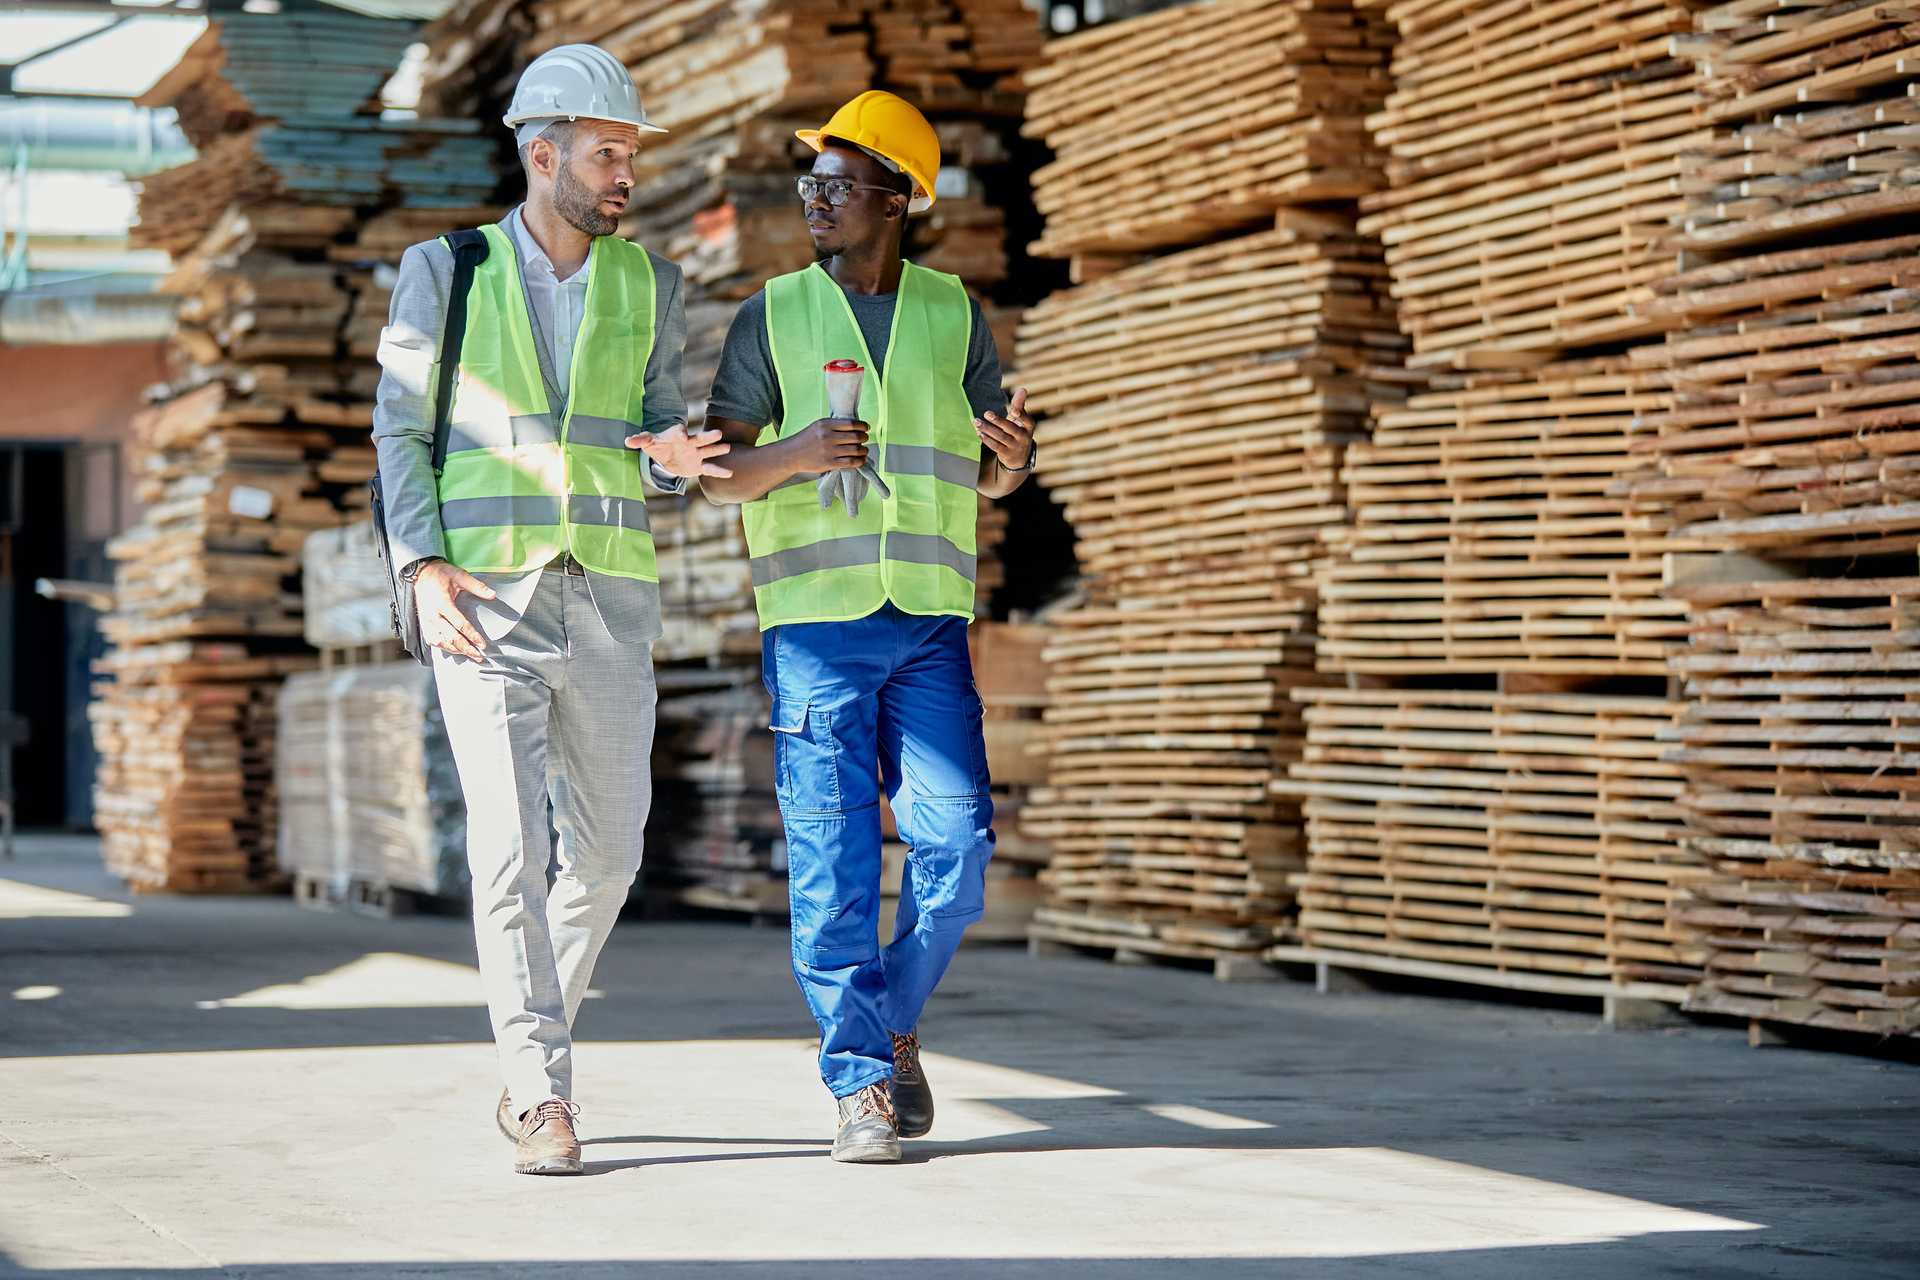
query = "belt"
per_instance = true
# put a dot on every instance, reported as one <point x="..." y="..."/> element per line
<point x="565" y="563"/>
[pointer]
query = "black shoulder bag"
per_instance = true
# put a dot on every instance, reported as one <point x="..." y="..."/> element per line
<point x="469" y="251"/>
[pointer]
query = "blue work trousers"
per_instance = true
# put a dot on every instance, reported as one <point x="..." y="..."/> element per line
<point x="888" y="700"/>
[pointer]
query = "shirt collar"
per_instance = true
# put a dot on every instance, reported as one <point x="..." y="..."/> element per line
<point x="532" y="256"/>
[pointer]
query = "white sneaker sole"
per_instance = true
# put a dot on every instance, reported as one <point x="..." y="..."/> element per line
<point x="552" y="1166"/>
<point x="869" y="1153"/>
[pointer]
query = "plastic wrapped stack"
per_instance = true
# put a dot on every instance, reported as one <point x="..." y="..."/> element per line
<point x="1195" y="410"/>
<point x="1790" y="449"/>
<point x="278" y="231"/>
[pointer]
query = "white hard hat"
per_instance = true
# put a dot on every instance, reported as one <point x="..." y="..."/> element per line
<point x="577" y="82"/>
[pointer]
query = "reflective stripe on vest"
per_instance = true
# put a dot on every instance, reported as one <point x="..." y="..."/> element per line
<point x="520" y="486"/>
<point x="917" y="548"/>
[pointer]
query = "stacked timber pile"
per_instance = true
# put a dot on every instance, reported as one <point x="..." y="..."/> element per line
<point x="261" y="438"/>
<point x="1177" y="126"/>
<point x="1486" y="539"/>
<point x="1487" y="800"/>
<point x="731" y="80"/>
<point x="1798" y="746"/>
<point x="1791" y="449"/>
<point x="1515" y="837"/>
<point x="1194" y="411"/>
<point x="1534" y="155"/>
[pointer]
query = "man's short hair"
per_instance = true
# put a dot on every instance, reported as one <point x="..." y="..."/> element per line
<point x="558" y="132"/>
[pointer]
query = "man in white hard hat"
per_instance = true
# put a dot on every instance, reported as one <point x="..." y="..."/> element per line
<point x="519" y="516"/>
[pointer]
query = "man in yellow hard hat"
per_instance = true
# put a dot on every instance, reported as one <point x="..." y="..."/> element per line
<point x="864" y="596"/>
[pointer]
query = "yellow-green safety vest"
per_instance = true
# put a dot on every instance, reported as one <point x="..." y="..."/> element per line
<point x="917" y="548"/>
<point x="518" y="487"/>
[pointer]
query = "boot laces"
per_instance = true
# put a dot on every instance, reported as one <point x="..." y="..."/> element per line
<point x="906" y="1057"/>
<point x="873" y="1102"/>
<point x="552" y="1109"/>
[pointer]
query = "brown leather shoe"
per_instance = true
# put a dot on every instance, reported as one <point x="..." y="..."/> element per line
<point x="504" y="1117"/>
<point x="546" y="1142"/>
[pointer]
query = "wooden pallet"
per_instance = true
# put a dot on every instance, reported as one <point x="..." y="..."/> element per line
<point x="1232" y="955"/>
<point x="1624" y="1005"/>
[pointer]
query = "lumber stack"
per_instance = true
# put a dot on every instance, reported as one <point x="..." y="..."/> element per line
<point x="1507" y="836"/>
<point x="1534" y="152"/>
<point x="1487" y="799"/>
<point x="1486" y="537"/>
<point x="1181" y="125"/>
<point x="282" y="264"/>
<point x="1791" y="449"/>
<point x="1798" y="746"/>
<point x="1795" y="429"/>
<point x="1195" y="409"/>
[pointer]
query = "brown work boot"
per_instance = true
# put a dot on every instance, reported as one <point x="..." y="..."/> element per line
<point x="546" y="1142"/>
<point x="507" y="1118"/>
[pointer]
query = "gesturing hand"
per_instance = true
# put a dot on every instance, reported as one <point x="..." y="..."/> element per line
<point x="681" y="453"/>
<point x="436" y="595"/>
<point x="1010" y="437"/>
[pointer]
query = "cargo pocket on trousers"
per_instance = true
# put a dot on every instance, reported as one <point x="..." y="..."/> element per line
<point x="806" y="759"/>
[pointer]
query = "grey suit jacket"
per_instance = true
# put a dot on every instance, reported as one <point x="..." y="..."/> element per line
<point x="403" y="434"/>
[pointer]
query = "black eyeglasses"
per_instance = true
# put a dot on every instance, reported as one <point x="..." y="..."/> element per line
<point x="837" y="190"/>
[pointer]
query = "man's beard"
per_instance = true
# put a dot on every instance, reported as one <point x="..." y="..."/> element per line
<point x="579" y="206"/>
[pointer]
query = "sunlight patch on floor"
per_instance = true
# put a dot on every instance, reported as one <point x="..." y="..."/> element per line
<point x="378" y="980"/>
<point x="22" y="901"/>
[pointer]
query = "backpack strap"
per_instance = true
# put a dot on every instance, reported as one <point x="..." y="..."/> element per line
<point x="469" y="251"/>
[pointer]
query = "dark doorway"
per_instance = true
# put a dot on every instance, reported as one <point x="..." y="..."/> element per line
<point x="37" y="662"/>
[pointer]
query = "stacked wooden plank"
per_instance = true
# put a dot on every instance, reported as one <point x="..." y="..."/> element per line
<point x="1534" y="151"/>
<point x="1799" y="745"/>
<point x="1487" y="801"/>
<point x="1795" y="429"/>
<point x="1194" y="411"/>
<point x="1792" y="448"/>
<point x="1509" y="836"/>
<point x="1181" y="125"/>
<point x="1486" y="536"/>
<point x="261" y="437"/>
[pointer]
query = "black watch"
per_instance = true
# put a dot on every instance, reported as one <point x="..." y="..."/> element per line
<point x="1033" y="456"/>
<point x="412" y="571"/>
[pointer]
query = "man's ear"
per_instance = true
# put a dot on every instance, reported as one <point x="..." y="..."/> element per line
<point x="551" y="164"/>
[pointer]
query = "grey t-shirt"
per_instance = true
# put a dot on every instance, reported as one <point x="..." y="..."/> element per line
<point x="746" y="389"/>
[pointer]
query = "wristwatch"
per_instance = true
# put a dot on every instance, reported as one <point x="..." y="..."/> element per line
<point x="412" y="570"/>
<point x="1033" y="456"/>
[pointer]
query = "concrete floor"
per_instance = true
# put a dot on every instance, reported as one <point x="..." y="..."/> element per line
<point x="240" y="1088"/>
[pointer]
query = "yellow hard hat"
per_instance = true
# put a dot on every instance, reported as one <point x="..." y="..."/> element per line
<point x="892" y="128"/>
